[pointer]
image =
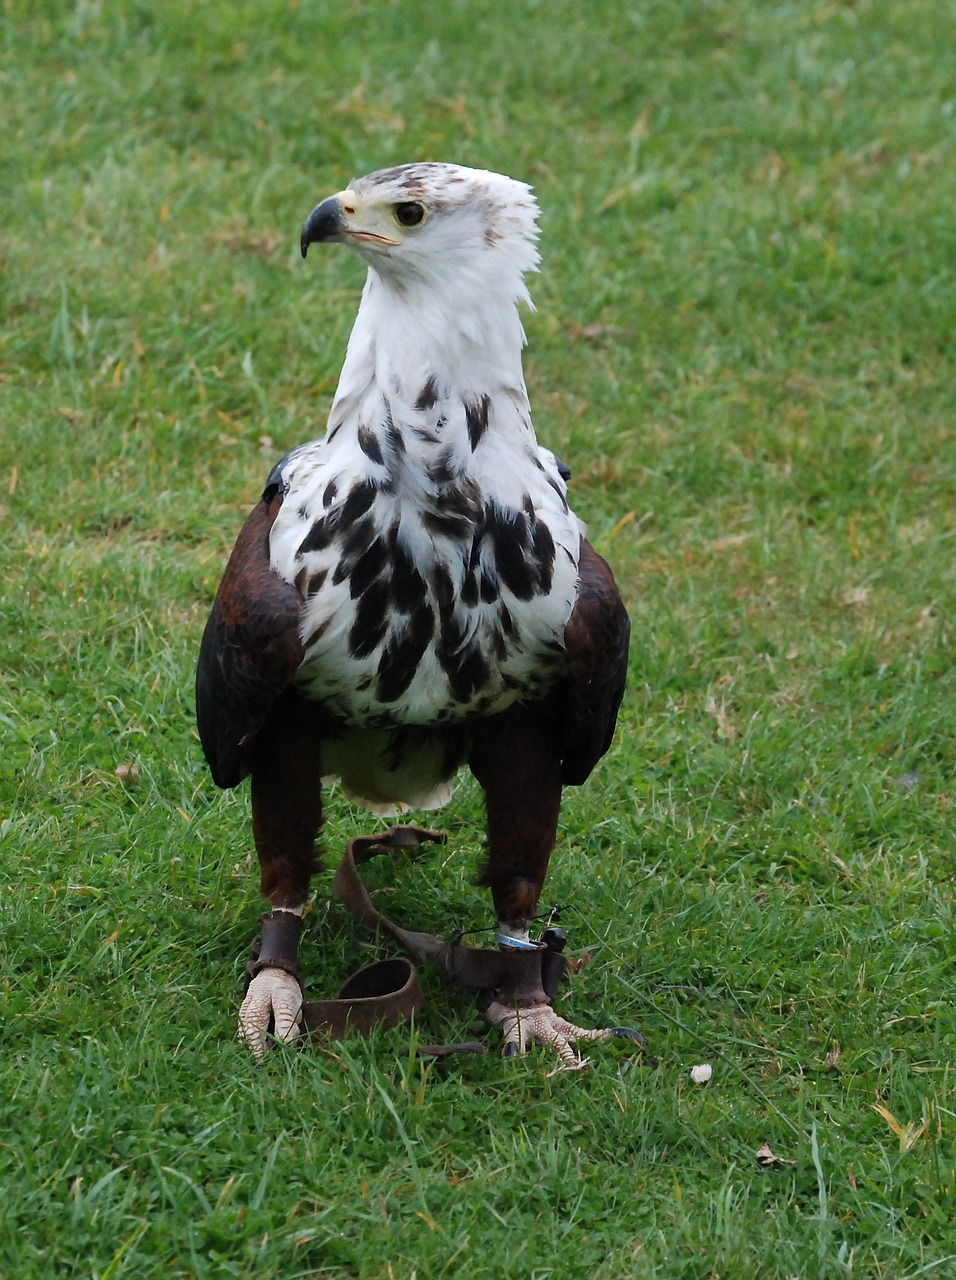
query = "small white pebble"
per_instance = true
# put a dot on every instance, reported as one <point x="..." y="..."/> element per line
<point x="702" y="1073"/>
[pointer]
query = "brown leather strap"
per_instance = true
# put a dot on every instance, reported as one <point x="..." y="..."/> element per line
<point x="383" y="994"/>
<point x="388" y="993"/>
<point x="474" y="967"/>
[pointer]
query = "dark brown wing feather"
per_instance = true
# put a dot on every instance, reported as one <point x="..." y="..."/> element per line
<point x="596" y="638"/>
<point x="250" y="649"/>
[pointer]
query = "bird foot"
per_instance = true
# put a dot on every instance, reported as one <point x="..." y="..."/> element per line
<point x="272" y="1010"/>
<point x="539" y="1024"/>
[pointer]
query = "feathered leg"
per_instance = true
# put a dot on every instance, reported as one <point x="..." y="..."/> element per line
<point x="516" y="759"/>
<point x="286" y="816"/>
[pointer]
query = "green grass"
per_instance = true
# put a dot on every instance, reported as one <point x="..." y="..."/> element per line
<point x="744" y="347"/>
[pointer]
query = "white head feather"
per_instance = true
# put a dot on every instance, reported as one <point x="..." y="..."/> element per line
<point x="441" y="299"/>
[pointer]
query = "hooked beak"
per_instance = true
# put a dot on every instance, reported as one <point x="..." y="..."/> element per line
<point x="325" y="222"/>
<point x="329" y="222"/>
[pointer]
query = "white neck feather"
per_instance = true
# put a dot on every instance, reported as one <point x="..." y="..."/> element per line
<point x="461" y="331"/>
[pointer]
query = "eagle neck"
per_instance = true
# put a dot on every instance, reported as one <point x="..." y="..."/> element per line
<point x="466" y="342"/>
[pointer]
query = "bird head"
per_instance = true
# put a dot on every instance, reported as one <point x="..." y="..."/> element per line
<point x="430" y="223"/>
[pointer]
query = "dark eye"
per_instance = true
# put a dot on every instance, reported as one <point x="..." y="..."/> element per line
<point x="409" y="214"/>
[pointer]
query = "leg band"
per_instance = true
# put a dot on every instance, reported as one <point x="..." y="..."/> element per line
<point x="277" y="947"/>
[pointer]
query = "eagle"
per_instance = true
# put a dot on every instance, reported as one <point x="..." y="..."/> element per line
<point x="412" y="593"/>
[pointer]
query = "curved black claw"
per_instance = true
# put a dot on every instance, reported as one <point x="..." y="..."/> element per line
<point x="510" y="1049"/>
<point x="628" y="1033"/>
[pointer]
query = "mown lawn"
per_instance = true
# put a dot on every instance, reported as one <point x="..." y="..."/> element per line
<point x="744" y="349"/>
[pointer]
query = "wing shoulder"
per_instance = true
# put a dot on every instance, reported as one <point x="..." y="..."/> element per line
<point x="596" y="639"/>
<point x="250" y="648"/>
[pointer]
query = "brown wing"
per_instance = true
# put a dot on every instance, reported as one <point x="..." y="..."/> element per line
<point x="250" y="649"/>
<point x="596" y="638"/>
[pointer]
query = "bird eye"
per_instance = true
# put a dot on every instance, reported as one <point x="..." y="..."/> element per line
<point x="409" y="214"/>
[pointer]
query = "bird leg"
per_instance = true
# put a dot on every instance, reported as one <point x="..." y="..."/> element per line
<point x="515" y="759"/>
<point x="518" y="765"/>
<point x="286" y="815"/>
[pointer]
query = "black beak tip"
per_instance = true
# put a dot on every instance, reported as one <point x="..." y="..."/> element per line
<point x="324" y="223"/>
